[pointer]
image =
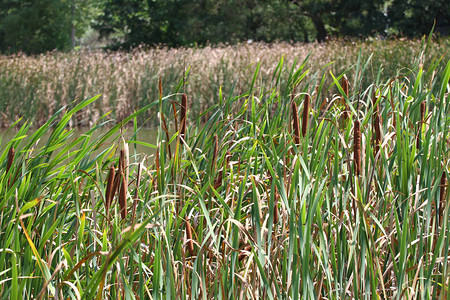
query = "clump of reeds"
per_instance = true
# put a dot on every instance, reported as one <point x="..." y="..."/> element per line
<point x="305" y="117"/>
<point x="357" y="146"/>
<point x="295" y="123"/>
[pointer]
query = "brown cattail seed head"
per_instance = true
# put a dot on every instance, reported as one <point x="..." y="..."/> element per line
<point x="11" y="154"/>
<point x="295" y="123"/>
<point x="305" y="116"/>
<point x="357" y="147"/>
<point x="442" y="195"/>
<point x="109" y="188"/>
<point x="345" y="88"/>
<point x="189" y="243"/>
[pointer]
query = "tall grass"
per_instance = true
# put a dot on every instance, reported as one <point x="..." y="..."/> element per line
<point x="244" y="206"/>
<point x="38" y="86"/>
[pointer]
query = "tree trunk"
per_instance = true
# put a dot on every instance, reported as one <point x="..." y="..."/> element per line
<point x="322" y="33"/>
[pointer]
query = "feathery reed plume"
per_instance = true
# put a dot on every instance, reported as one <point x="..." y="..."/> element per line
<point x="11" y="154"/>
<point x="345" y="88"/>
<point x="305" y="116"/>
<point x="189" y="242"/>
<point x="419" y="125"/>
<point x="218" y="181"/>
<point x="109" y="189"/>
<point x="295" y="123"/>
<point x="123" y="186"/>
<point x="357" y="146"/>
<point x="183" y="116"/>
<point x="216" y="150"/>
<point x="442" y="194"/>
<point x="376" y="124"/>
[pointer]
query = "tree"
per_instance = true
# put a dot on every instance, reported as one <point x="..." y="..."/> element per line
<point x="413" y="17"/>
<point x="34" y="26"/>
<point x="345" y="17"/>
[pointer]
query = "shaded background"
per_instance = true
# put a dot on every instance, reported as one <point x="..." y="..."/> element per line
<point x="36" y="26"/>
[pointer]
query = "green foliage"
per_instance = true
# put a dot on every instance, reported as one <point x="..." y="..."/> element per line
<point x="34" y="26"/>
<point x="415" y="17"/>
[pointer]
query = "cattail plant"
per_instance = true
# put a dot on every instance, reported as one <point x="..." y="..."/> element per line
<point x="305" y="116"/>
<point x="357" y="146"/>
<point x="442" y="194"/>
<point x="345" y="88"/>
<point x="123" y="186"/>
<point x="216" y="150"/>
<point x="295" y="123"/>
<point x="419" y="125"/>
<point x="11" y="154"/>
<point x="183" y="116"/>
<point x="376" y="125"/>
<point x="244" y="251"/>
<point x="218" y="181"/>
<point x="275" y="206"/>
<point x="109" y="189"/>
<point x="189" y="242"/>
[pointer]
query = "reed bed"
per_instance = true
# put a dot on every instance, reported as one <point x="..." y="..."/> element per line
<point x="38" y="86"/>
<point x="244" y="207"/>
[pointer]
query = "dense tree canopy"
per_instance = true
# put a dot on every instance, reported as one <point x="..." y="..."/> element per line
<point x="36" y="26"/>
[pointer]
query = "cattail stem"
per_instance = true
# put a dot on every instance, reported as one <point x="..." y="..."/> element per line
<point x="357" y="147"/>
<point x="305" y="116"/>
<point x="295" y="123"/>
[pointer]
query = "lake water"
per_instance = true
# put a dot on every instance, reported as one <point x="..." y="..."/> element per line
<point x="147" y="135"/>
